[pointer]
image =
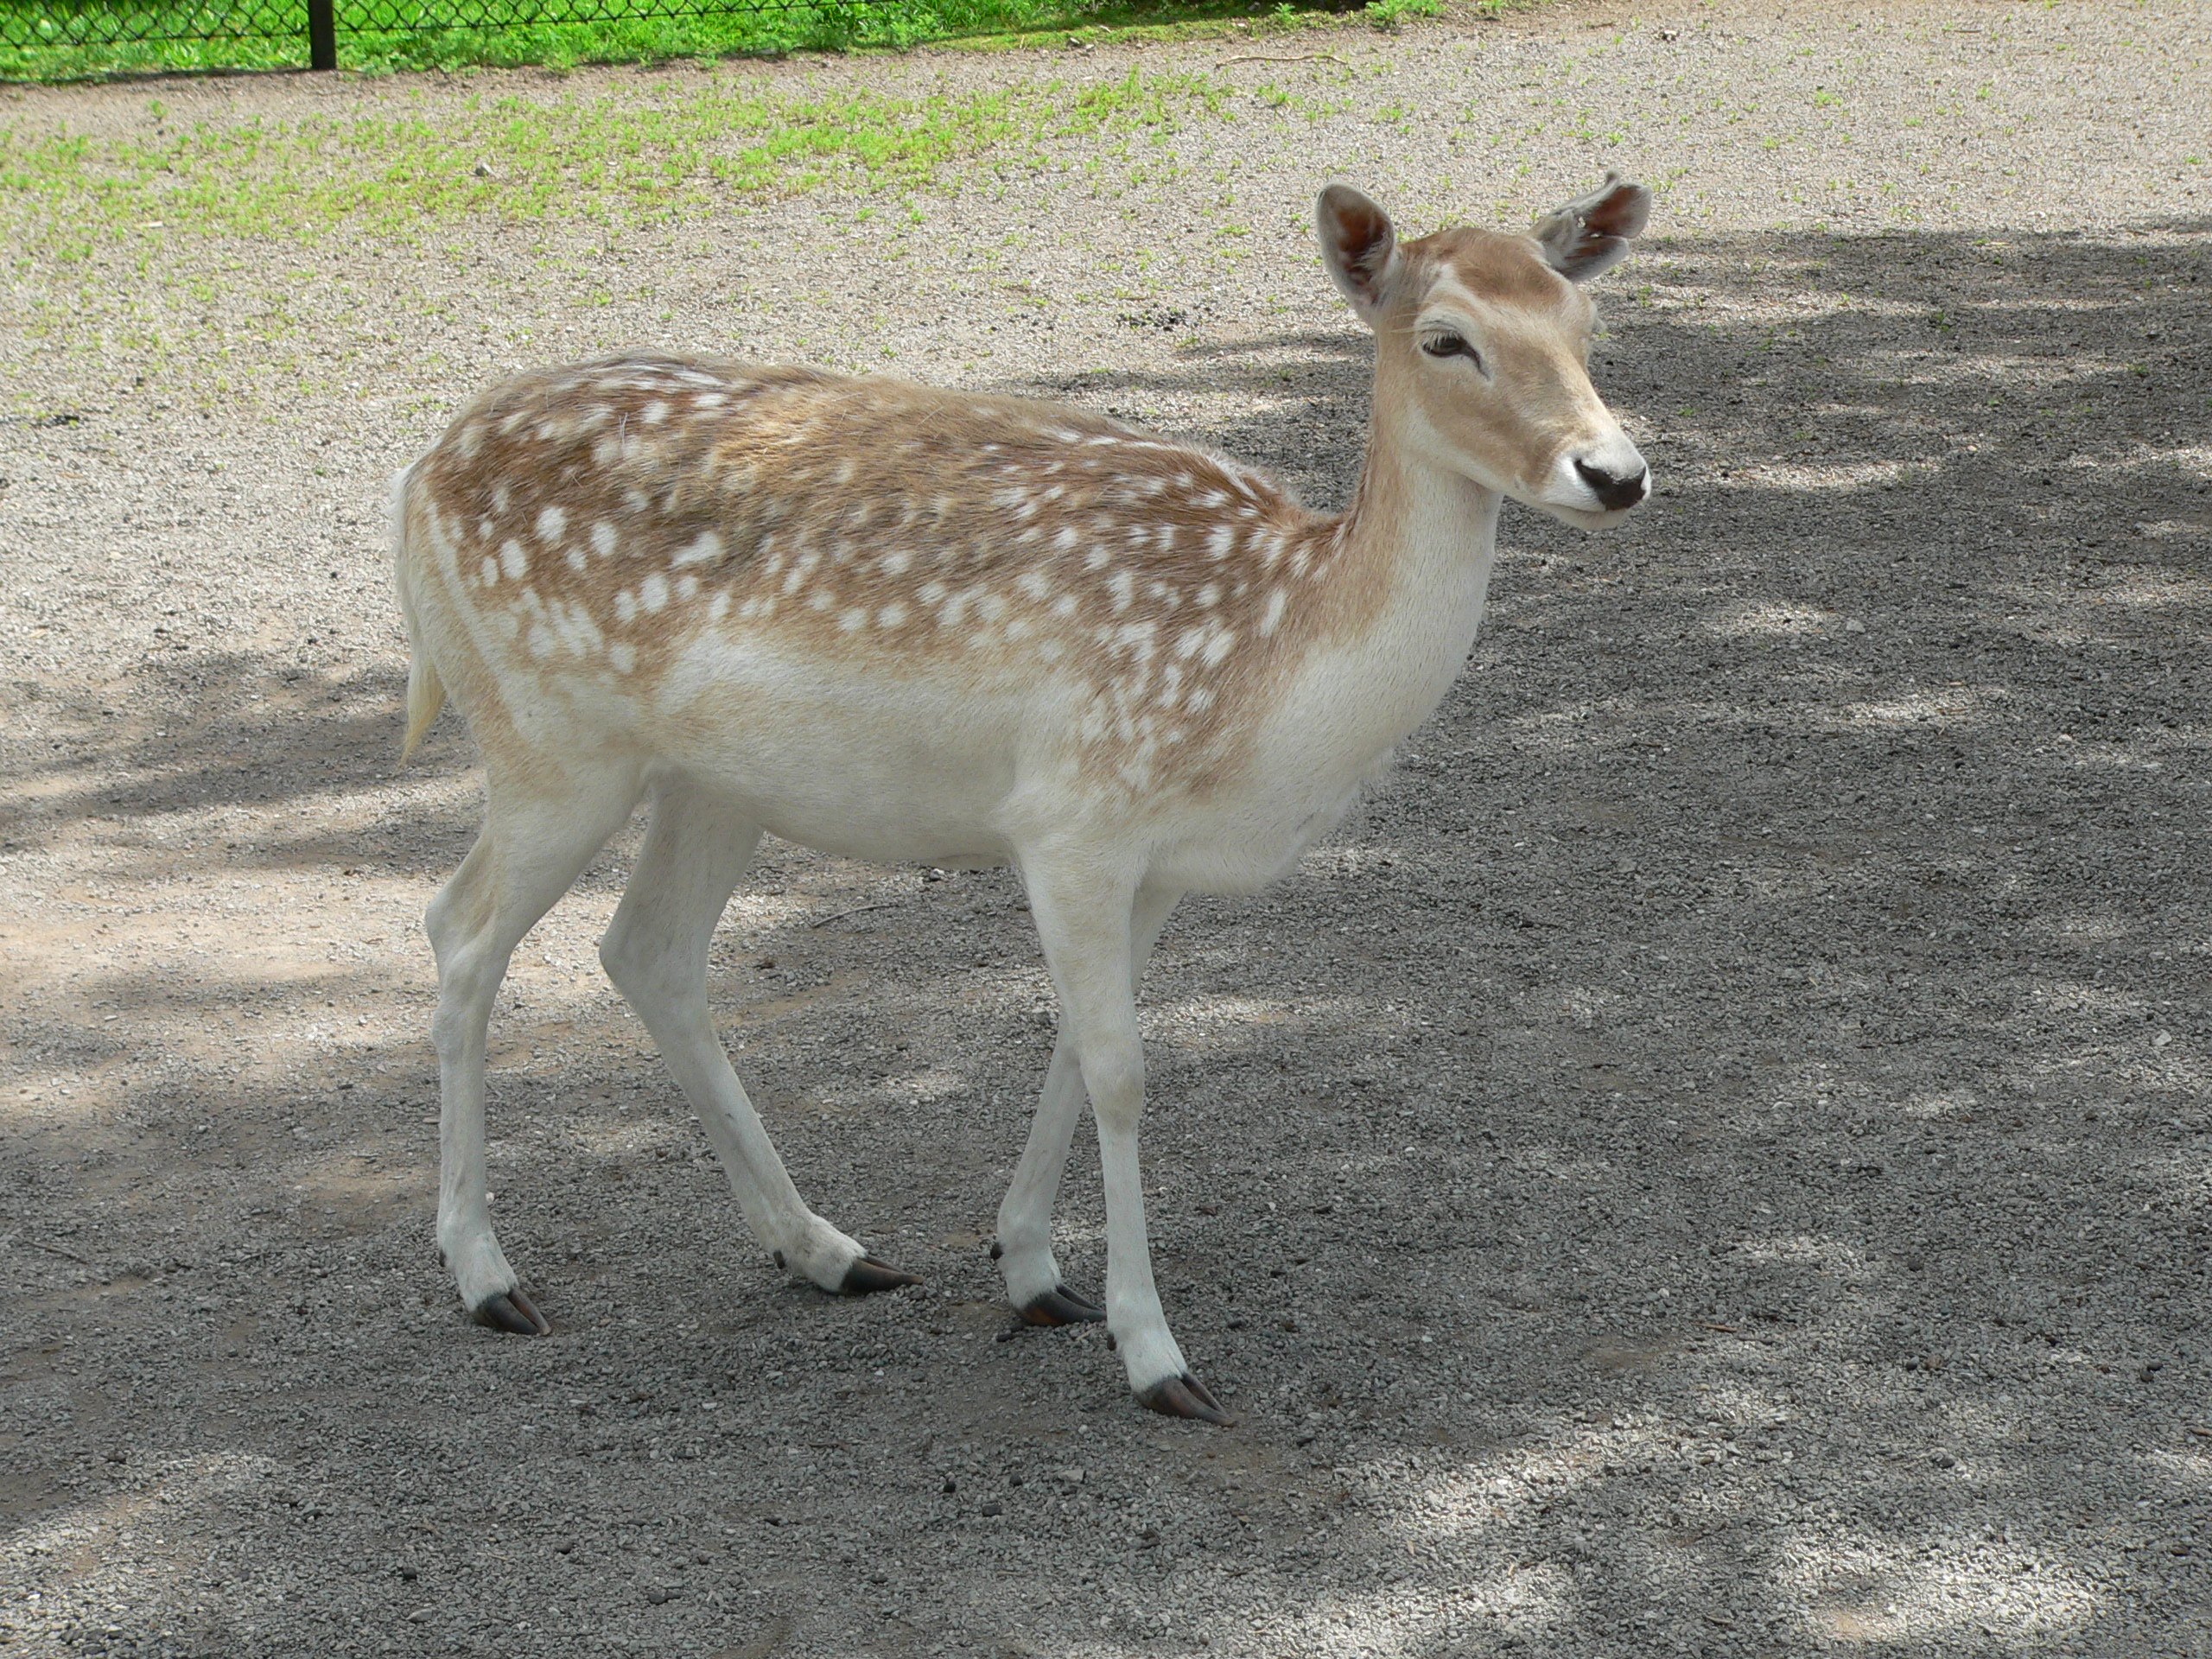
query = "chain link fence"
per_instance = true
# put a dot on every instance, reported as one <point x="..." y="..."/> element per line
<point x="309" y="30"/>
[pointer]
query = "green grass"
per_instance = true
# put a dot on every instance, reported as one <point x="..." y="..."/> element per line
<point x="517" y="159"/>
<point x="50" y="40"/>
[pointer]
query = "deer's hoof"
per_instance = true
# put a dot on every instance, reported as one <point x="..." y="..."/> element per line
<point x="1060" y="1306"/>
<point x="516" y="1313"/>
<point x="1184" y="1397"/>
<point x="868" y="1275"/>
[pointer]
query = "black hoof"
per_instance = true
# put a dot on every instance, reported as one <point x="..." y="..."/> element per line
<point x="514" y="1312"/>
<point x="868" y="1275"/>
<point x="1060" y="1306"/>
<point x="1184" y="1397"/>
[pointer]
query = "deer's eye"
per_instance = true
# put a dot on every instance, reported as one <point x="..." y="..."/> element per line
<point x="1451" y="345"/>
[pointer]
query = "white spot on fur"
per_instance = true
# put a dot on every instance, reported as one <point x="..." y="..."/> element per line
<point x="652" y="592"/>
<point x="1063" y="605"/>
<point x="687" y="586"/>
<point x="1218" y="543"/>
<point x="626" y="606"/>
<point x="1035" y="583"/>
<point x="654" y="413"/>
<point x="513" y="560"/>
<point x="602" y="539"/>
<point x="623" y="655"/>
<point x="896" y="561"/>
<point x="1122" y="586"/>
<point x="892" y="614"/>
<point x="704" y="548"/>
<point x="852" y="620"/>
<point x="551" y="521"/>
<point x="490" y="573"/>
<point x="1271" y="615"/>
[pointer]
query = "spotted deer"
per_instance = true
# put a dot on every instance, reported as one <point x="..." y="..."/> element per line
<point x="902" y="624"/>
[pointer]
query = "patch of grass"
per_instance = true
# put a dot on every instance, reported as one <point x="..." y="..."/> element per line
<point x="520" y="159"/>
<point x="1389" y="14"/>
<point x="44" y="40"/>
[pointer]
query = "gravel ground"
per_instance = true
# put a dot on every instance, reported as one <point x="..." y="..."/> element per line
<point x="1714" y="1160"/>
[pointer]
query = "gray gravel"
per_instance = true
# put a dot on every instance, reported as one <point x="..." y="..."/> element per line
<point x="1713" y="1162"/>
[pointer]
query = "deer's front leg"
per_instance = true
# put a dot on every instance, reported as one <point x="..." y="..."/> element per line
<point x="1034" y="1284"/>
<point x="1085" y="919"/>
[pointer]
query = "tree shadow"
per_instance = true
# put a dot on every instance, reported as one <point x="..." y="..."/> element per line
<point x="1713" y="1160"/>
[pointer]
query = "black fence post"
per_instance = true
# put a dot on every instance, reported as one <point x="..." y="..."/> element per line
<point x="322" y="34"/>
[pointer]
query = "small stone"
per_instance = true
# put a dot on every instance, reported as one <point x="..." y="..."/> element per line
<point x="990" y="1509"/>
<point x="1852" y="625"/>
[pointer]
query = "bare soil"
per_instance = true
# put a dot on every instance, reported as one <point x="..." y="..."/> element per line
<point x="1714" y="1160"/>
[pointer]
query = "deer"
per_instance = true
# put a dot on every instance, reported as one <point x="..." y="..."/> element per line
<point x="921" y="626"/>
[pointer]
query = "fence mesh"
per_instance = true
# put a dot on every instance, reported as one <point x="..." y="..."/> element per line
<point x="30" y="24"/>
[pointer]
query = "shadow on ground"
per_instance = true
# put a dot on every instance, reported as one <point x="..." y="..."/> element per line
<point x="1756" y="1054"/>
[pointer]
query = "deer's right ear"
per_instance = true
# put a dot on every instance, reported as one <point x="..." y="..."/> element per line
<point x="1359" y="248"/>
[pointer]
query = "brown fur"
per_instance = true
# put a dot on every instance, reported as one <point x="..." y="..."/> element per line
<point x="602" y="515"/>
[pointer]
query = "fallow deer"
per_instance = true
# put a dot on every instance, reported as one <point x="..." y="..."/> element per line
<point x="908" y="625"/>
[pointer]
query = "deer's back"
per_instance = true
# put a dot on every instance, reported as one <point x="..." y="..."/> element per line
<point x="655" y="545"/>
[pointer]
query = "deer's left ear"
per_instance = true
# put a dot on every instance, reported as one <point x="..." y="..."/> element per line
<point x="1591" y="234"/>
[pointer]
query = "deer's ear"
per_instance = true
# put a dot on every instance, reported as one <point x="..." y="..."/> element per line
<point x="1359" y="248"/>
<point x="1592" y="234"/>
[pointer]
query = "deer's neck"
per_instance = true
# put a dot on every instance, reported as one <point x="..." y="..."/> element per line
<point x="1419" y="541"/>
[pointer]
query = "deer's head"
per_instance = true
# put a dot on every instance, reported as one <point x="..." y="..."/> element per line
<point x="1483" y="345"/>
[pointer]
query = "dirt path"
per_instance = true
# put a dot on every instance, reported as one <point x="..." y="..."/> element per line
<point x="1714" y="1160"/>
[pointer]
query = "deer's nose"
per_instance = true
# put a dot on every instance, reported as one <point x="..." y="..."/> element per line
<point x="1616" y="490"/>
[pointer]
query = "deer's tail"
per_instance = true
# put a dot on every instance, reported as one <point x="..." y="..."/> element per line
<point x="426" y="693"/>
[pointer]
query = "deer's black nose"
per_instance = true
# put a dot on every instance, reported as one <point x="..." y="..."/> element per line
<point x="1616" y="490"/>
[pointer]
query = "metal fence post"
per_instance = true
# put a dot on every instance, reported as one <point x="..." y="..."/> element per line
<point x="322" y="34"/>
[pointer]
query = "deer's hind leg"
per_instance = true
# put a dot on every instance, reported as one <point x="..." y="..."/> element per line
<point x="696" y="846"/>
<point x="533" y="846"/>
